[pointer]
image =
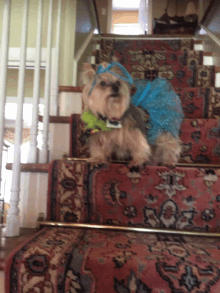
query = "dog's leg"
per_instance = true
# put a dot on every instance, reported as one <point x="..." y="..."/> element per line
<point x="166" y="150"/>
<point x="139" y="148"/>
<point x="99" y="153"/>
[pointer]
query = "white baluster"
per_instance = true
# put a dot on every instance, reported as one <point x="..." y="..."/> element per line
<point x="12" y="225"/>
<point x="55" y="72"/>
<point x="44" y="153"/>
<point x="33" y="151"/>
<point x="3" y="74"/>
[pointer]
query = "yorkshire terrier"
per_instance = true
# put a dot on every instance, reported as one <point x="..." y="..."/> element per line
<point x="107" y="97"/>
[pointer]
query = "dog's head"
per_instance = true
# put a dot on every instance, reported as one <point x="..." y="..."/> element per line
<point x="105" y="92"/>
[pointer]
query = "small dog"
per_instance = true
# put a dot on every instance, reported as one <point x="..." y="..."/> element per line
<point x="107" y="96"/>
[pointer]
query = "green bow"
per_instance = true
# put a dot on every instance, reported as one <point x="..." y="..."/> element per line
<point x="92" y="122"/>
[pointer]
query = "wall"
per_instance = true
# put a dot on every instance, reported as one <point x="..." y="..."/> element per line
<point x="121" y="16"/>
<point x="182" y="5"/>
<point x="84" y="22"/>
<point x="103" y="19"/>
<point x="158" y="7"/>
<point x="67" y="42"/>
<point x="12" y="81"/>
<point x="212" y="21"/>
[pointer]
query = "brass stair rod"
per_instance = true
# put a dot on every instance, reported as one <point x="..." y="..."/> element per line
<point x="195" y="165"/>
<point x="128" y="229"/>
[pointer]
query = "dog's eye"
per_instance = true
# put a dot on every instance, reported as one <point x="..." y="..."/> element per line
<point x="103" y="83"/>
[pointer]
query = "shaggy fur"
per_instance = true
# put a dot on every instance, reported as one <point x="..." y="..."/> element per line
<point x="110" y="98"/>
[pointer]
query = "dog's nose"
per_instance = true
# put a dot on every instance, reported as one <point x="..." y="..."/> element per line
<point x="115" y="86"/>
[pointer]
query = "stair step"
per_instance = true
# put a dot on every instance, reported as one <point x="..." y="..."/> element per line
<point x="154" y="196"/>
<point x="179" y="164"/>
<point x="185" y="57"/>
<point x="56" y="119"/>
<point x="200" y="102"/>
<point x="201" y="141"/>
<point x="8" y="244"/>
<point x="71" y="89"/>
<point x="44" y="168"/>
<point x="198" y="45"/>
<point x="147" y="44"/>
<point x="185" y="76"/>
<point x="34" y="168"/>
<point x="163" y="37"/>
<point x="152" y="58"/>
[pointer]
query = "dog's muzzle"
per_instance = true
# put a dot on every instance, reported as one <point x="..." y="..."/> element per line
<point x="115" y="88"/>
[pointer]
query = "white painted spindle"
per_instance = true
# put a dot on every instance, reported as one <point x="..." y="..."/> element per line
<point x="3" y="75"/>
<point x="55" y="73"/>
<point x="44" y="154"/>
<point x="12" y="225"/>
<point x="33" y="151"/>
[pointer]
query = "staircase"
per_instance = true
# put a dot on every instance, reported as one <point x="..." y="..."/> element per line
<point x="176" y="201"/>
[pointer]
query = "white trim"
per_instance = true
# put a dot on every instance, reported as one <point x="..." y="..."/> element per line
<point x="150" y="18"/>
<point x="109" y="17"/>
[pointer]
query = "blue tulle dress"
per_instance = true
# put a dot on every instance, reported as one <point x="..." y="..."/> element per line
<point x="162" y="104"/>
<point x="157" y="98"/>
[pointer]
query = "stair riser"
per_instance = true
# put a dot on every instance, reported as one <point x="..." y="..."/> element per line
<point x="155" y="197"/>
<point x="152" y="45"/>
<point x="201" y="76"/>
<point x="201" y="141"/>
<point x="200" y="102"/>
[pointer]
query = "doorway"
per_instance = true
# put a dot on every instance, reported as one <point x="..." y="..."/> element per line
<point x="130" y="17"/>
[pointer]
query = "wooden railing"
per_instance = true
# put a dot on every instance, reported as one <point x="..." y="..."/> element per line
<point x="38" y="58"/>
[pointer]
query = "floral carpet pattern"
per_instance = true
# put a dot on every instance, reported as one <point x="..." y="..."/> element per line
<point x="173" y="60"/>
<point x="201" y="141"/>
<point x="69" y="260"/>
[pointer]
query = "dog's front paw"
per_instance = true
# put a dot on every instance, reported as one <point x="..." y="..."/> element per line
<point x="136" y="163"/>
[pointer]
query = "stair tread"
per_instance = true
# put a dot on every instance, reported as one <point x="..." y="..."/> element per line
<point x="44" y="168"/>
<point x="31" y="167"/>
<point x="74" y="89"/>
<point x="149" y="37"/>
<point x="56" y="119"/>
<point x="10" y="243"/>
<point x="141" y="51"/>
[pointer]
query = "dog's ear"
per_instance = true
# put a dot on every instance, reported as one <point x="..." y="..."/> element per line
<point x="88" y="73"/>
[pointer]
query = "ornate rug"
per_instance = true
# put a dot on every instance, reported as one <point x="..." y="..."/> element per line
<point x="65" y="260"/>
